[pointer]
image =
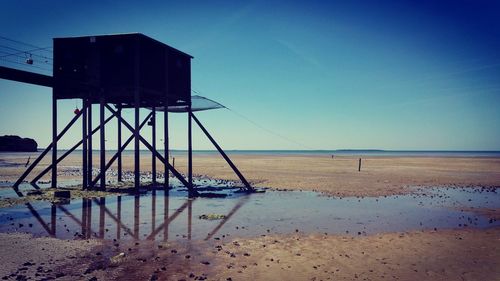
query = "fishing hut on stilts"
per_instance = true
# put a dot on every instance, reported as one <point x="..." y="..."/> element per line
<point x="118" y="73"/>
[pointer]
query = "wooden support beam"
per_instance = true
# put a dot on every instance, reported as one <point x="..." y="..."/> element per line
<point x="54" y="140"/>
<point x="40" y="157"/>
<point x="89" y="136"/>
<point x="85" y="176"/>
<point x="102" y="158"/>
<point x="242" y="178"/>
<point x="120" y="150"/>
<point x="153" y="142"/>
<point x="136" y="133"/>
<point x="119" y="124"/>
<point x="89" y="151"/>
<point x="190" y="152"/>
<point x="165" y="144"/>
<point x="137" y="106"/>
<point x="148" y="146"/>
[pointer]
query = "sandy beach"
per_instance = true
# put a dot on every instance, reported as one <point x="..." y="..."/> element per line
<point x="442" y="254"/>
<point x="338" y="176"/>
<point x="430" y="255"/>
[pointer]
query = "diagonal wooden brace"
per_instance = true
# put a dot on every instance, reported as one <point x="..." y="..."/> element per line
<point x="112" y="160"/>
<point x="157" y="154"/>
<point x="49" y="147"/>
<point x="69" y="151"/>
<point x="242" y="178"/>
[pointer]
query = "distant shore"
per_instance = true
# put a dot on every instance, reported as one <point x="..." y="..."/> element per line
<point x="337" y="152"/>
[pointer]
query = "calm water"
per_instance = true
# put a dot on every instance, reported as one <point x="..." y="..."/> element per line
<point x="5" y="156"/>
<point x="174" y="217"/>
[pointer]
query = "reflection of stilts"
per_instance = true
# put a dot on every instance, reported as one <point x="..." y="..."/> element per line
<point x="166" y="200"/>
<point x="116" y="220"/>
<point x="168" y="220"/>
<point x="102" y="205"/>
<point x="39" y="219"/>
<point x="136" y="216"/>
<point x="89" y="218"/>
<point x="84" y="217"/>
<point x="53" y="213"/>
<point x="119" y="217"/>
<point x="190" y="217"/>
<point x="153" y="210"/>
<point x="238" y="205"/>
<point x="86" y="221"/>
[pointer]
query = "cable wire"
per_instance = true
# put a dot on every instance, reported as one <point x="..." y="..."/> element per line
<point x="18" y="52"/>
<point x="22" y="43"/>
<point x="262" y="127"/>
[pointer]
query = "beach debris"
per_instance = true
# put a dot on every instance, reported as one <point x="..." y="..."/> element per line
<point x="118" y="258"/>
<point x="212" y="195"/>
<point x="62" y="194"/>
<point x="212" y="217"/>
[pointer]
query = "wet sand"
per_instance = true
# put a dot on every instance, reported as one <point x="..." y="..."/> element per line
<point x="430" y="255"/>
<point x="338" y="176"/>
<point x="441" y="255"/>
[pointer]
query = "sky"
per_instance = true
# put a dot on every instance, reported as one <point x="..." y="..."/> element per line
<point x="398" y="75"/>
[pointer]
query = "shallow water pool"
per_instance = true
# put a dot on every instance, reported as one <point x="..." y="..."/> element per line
<point x="171" y="216"/>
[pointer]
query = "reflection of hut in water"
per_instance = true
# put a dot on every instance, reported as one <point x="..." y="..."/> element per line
<point x="109" y="218"/>
<point x="128" y="71"/>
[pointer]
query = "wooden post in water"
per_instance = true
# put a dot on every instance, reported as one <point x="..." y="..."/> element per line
<point x="359" y="165"/>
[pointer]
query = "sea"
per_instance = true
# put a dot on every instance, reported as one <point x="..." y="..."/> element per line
<point x="339" y="152"/>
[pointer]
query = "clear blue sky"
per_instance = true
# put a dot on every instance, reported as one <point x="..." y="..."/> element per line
<point x="324" y="74"/>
